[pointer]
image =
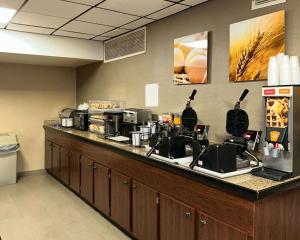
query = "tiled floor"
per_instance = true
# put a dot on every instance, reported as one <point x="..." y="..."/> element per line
<point x="40" y="208"/>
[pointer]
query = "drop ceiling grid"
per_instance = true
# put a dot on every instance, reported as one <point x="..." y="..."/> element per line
<point x="135" y="7"/>
<point x="90" y="19"/>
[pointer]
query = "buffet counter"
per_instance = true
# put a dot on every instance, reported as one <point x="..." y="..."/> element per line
<point x="109" y="176"/>
<point x="246" y="184"/>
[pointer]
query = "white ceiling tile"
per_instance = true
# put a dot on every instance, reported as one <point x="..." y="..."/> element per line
<point x="73" y="34"/>
<point x="115" y="32"/>
<point x="14" y="4"/>
<point x="55" y="8"/>
<point x="136" y="7"/>
<point x="106" y="17"/>
<point x="138" y="23"/>
<point x="193" y="2"/>
<point x="101" y="38"/>
<point x="83" y="27"/>
<point x="39" y="20"/>
<point x="87" y="2"/>
<point x="30" y="29"/>
<point x="168" y="11"/>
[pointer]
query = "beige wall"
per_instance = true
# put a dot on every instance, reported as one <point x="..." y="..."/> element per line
<point x="29" y="95"/>
<point x="125" y="79"/>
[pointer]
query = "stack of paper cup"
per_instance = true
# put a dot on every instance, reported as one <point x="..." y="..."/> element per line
<point x="295" y="70"/>
<point x="280" y="58"/>
<point x="273" y="72"/>
<point x="285" y="71"/>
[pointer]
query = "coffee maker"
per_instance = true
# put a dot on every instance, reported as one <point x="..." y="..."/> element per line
<point x="133" y="118"/>
<point x="282" y="125"/>
<point x="113" y="124"/>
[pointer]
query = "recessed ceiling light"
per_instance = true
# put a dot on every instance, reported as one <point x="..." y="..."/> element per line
<point x="6" y="15"/>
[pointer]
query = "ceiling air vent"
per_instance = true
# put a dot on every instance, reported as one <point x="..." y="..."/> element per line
<point x="256" y="4"/>
<point x="127" y="45"/>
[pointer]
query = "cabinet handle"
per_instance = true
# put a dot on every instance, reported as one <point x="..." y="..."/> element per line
<point x="188" y="214"/>
<point x="125" y="182"/>
<point x="134" y="186"/>
<point x="95" y="167"/>
<point x="203" y="221"/>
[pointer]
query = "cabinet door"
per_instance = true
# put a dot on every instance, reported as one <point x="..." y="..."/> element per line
<point x="177" y="220"/>
<point x="48" y="156"/>
<point x="101" y="188"/>
<point x="86" y="187"/>
<point x="56" y="160"/>
<point x="75" y="171"/>
<point x="144" y="212"/>
<point x="65" y="166"/>
<point x="212" y="229"/>
<point x="120" y="199"/>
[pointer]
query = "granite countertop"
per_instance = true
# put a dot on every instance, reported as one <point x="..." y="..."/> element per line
<point x="256" y="185"/>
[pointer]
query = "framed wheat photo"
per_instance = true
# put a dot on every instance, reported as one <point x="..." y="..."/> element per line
<point x="252" y="43"/>
<point x="190" y="59"/>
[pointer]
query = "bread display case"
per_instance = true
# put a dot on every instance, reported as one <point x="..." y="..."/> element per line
<point x="97" y="123"/>
<point x="98" y="110"/>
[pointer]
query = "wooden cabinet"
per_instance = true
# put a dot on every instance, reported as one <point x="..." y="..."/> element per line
<point x="120" y="199"/>
<point x="102" y="188"/>
<point x="56" y="160"/>
<point x="48" y="156"/>
<point x="74" y="171"/>
<point x="86" y="187"/>
<point x="225" y="214"/>
<point x="65" y="166"/>
<point x="209" y="228"/>
<point x="144" y="212"/>
<point x="177" y="220"/>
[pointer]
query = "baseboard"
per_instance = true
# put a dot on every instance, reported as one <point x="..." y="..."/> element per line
<point x="30" y="173"/>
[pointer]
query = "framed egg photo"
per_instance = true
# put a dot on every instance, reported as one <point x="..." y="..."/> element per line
<point x="190" y="59"/>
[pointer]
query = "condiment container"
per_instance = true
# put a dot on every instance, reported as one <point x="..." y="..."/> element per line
<point x="137" y="138"/>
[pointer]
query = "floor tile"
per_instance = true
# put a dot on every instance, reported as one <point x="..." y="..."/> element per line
<point x="38" y="207"/>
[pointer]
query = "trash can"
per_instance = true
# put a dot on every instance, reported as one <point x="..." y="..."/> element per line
<point x="9" y="148"/>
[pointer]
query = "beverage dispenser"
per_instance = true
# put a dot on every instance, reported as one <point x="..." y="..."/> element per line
<point x="282" y="133"/>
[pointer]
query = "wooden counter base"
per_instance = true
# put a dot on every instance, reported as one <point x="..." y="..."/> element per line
<point x="152" y="203"/>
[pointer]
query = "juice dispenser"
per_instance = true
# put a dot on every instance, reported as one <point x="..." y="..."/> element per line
<point x="282" y="130"/>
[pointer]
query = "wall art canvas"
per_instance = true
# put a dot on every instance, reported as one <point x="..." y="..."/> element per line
<point x="252" y="43"/>
<point x="190" y="59"/>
